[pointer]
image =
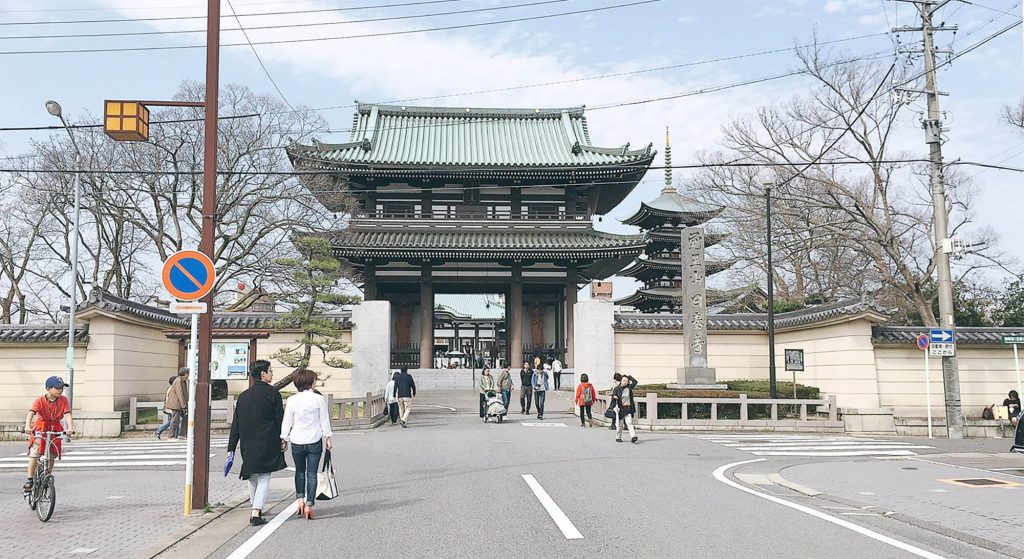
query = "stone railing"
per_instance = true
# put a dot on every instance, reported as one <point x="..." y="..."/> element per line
<point x="814" y="415"/>
<point x="367" y="412"/>
<point x="220" y="410"/>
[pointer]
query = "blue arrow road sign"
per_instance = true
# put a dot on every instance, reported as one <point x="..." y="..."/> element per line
<point x="940" y="336"/>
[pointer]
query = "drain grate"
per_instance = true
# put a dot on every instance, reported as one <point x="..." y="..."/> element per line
<point x="980" y="481"/>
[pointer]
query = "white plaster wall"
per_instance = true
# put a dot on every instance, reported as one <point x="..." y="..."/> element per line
<point x="839" y="359"/>
<point x="986" y="374"/>
<point x="24" y="369"/>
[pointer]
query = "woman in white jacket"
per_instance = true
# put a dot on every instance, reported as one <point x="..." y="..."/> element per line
<point x="307" y="426"/>
<point x="391" y="396"/>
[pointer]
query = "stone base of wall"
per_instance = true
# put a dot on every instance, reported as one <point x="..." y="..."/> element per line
<point x="973" y="428"/>
<point x="868" y="421"/>
<point x="96" y="424"/>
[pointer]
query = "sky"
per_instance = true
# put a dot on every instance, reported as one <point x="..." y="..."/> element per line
<point x="533" y="63"/>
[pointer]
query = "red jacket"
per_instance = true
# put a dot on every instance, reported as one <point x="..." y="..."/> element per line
<point x="579" y="393"/>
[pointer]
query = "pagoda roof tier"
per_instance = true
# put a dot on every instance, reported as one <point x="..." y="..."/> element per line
<point x="599" y="254"/>
<point x="671" y="207"/>
<point x="673" y="237"/>
<point x="650" y="268"/>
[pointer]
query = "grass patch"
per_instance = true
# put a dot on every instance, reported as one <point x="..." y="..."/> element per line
<point x="149" y="415"/>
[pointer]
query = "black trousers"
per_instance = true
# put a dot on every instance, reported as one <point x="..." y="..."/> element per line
<point x="393" y="412"/>
<point x="526" y="399"/>
<point x="558" y="380"/>
<point x="589" y="413"/>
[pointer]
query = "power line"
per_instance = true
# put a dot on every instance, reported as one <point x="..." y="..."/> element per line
<point x="260" y="60"/>
<point x="513" y="88"/>
<point x="203" y="17"/>
<point x="284" y="25"/>
<point x="340" y="37"/>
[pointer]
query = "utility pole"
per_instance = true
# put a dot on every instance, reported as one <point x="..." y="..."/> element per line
<point x="201" y="473"/>
<point x="943" y="246"/>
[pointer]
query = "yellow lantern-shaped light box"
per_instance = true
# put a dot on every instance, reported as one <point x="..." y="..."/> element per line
<point x="126" y="120"/>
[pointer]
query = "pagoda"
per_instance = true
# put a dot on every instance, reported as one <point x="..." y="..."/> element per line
<point x="479" y="201"/>
<point x="660" y="266"/>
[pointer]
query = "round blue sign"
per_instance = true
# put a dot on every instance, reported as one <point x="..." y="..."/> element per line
<point x="188" y="275"/>
<point x="922" y="342"/>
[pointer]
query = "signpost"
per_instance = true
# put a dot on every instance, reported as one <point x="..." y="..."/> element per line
<point x="794" y="362"/>
<point x="189" y="275"/>
<point x="1014" y="340"/>
<point x="942" y="342"/>
<point x="923" y="342"/>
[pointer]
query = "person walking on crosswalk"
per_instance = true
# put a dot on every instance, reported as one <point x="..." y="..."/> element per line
<point x="405" y="386"/>
<point x="176" y="404"/>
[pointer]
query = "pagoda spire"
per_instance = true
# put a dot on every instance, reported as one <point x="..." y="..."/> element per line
<point x="669" y="187"/>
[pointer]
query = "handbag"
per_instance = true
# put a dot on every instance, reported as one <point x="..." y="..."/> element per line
<point x="326" y="485"/>
<point x="610" y="413"/>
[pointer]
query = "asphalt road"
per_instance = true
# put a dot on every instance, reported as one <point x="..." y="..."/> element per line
<point x="452" y="486"/>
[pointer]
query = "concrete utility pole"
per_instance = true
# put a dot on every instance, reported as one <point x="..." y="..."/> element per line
<point x="943" y="246"/>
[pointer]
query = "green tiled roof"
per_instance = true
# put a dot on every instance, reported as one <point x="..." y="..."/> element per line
<point x="457" y="138"/>
<point x="448" y="243"/>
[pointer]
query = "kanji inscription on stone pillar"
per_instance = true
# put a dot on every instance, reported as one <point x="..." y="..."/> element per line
<point x="696" y="373"/>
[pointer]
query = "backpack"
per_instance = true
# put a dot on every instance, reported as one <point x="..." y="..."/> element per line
<point x="588" y="395"/>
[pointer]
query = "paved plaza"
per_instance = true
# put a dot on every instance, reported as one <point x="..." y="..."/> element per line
<point x="452" y="486"/>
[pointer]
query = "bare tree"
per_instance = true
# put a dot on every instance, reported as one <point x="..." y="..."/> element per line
<point x="1014" y="115"/>
<point x="844" y="229"/>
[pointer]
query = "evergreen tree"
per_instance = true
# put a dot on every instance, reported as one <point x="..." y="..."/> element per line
<point x="1011" y="305"/>
<point x="310" y="292"/>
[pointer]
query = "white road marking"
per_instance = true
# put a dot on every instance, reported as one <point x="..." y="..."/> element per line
<point x="561" y="520"/>
<point x="845" y="447"/>
<point x="938" y="491"/>
<point x="839" y="454"/>
<point x="115" y="496"/>
<point x="719" y="474"/>
<point x="259" y="537"/>
<point x="865" y="493"/>
<point x="76" y="457"/>
<point x="543" y="424"/>
<point x="64" y="466"/>
<point x="84" y="550"/>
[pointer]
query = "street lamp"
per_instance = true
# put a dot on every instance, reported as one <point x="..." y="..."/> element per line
<point x="54" y="109"/>
<point x="767" y="178"/>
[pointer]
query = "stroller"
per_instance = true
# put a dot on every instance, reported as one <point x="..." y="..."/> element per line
<point x="494" y="407"/>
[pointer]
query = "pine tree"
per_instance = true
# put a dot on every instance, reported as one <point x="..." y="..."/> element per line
<point x="310" y="292"/>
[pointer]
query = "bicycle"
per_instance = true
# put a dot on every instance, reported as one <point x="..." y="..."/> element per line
<point x="43" y="497"/>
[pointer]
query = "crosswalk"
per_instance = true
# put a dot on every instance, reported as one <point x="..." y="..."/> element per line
<point x="812" y="445"/>
<point x="118" y="454"/>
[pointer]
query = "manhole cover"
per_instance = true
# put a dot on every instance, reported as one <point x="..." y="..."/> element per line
<point x="981" y="481"/>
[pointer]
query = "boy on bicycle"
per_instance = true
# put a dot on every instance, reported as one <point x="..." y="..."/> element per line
<point x="46" y="413"/>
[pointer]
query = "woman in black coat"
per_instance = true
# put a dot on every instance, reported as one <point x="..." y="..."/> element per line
<point x="622" y="400"/>
<point x="257" y="425"/>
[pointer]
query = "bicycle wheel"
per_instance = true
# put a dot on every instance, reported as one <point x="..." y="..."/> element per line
<point x="47" y="499"/>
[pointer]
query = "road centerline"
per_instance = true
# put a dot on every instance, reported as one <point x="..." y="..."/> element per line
<point x="554" y="511"/>
<point x="259" y="537"/>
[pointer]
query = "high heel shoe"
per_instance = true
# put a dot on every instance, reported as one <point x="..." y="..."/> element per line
<point x="301" y="509"/>
<point x="309" y="512"/>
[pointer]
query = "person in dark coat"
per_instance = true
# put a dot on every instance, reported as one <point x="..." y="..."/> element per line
<point x="257" y="425"/>
<point x="622" y="400"/>
<point x="405" y="389"/>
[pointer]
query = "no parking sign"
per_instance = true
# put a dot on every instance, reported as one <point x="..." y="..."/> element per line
<point x="188" y="275"/>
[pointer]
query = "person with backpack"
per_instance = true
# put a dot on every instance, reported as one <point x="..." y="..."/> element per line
<point x="622" y="399"/>
<point x="585" y="396"/>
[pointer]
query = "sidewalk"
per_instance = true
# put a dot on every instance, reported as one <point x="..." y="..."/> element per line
<point x="957" y="494"/>
<point x="125" y="513"/>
